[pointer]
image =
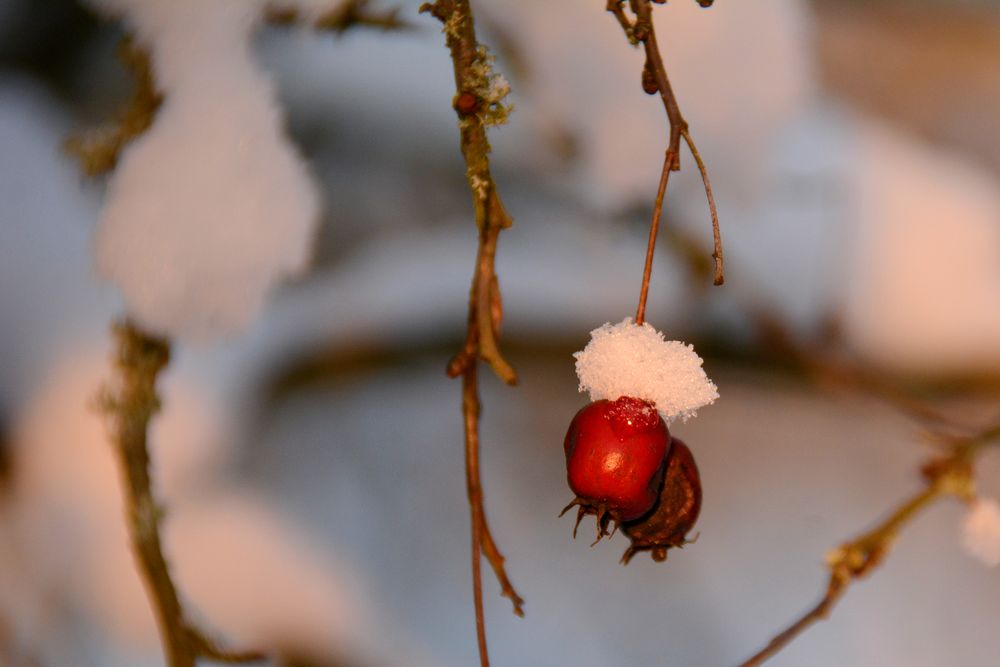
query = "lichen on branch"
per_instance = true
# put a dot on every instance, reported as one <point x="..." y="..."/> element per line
<point x="479" y="102"/>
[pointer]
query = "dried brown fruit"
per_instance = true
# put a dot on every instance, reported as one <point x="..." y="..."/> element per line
<point x="675" y="512"/>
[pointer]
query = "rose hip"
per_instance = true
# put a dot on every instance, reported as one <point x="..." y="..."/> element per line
<point x="675" y="512"/>
<point x="615" y="455"/>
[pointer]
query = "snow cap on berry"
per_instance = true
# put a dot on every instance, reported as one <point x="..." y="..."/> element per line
<point x="981" y="531"/>
<point x="629" y="359"/>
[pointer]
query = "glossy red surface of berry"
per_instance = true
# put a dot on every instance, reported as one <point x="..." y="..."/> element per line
<point x="615" y="453"/>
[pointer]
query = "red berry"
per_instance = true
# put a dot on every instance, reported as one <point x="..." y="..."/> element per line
<point x="676" y="510"/>
<point x="615" y="453"/>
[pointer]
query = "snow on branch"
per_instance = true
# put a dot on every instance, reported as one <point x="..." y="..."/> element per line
<point x="212" y="205"/>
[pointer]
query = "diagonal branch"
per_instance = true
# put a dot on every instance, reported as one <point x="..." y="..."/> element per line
<point x="951" y="475"/>
<point x="479" y="102"/>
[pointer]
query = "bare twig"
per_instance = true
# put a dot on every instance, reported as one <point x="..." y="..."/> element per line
<point x="342" y="16"/>
<point x="668" y="162"/>
<point x="655" y="80"/>
<point x="131" y="403"/>
<point x="951" y="475"/>
<point x="717" y="254"/>
<point x="98" y="149"/>
<point x="825" y="362"/>
<point x="479" y="102"/>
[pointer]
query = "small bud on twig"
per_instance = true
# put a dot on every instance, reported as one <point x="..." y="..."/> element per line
<point x="649" y="83"/>
<point x="467" y="104"/>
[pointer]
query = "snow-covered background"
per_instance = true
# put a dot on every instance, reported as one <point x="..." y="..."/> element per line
<point x="312" y="464"/>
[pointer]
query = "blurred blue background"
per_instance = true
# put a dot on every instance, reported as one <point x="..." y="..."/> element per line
<point x="313" y="467"/>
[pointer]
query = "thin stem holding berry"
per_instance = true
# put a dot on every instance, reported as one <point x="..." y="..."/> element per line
<point x="655" y="80"/>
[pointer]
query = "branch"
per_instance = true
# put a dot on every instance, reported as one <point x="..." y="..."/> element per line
<point x="479" y="102"/>
<point x="951" y="475"/>
<point x="824" y="361"/>
<point x="655" y="80"/>
<point x="130" y="403"/>
<point x="98" y="149"/>
<point x="341" y="17"/>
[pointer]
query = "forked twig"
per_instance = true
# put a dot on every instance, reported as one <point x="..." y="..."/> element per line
<point x="478" y="101"/>
<point x="639" y="30"/>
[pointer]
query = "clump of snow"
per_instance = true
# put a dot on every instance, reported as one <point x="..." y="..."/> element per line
<point x="981" y="531"/>
<point x="629" y="359"/>
<point x="211" y="206"/>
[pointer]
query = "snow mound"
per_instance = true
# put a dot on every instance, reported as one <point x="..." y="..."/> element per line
<point x="212" y="206"/>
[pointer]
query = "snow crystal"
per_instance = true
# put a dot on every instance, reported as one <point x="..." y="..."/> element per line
<point x="981" y="531"/>
<point x="212" y="205"/>
<point x="629" y="359"/>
